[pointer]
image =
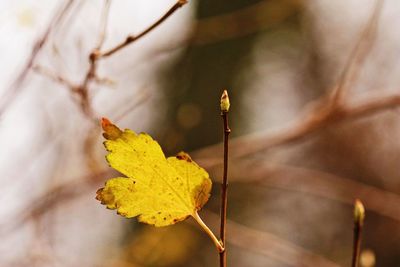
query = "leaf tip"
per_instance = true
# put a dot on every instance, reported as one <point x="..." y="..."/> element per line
<point x="99" y="196"/>
<point x="184" y="156"/>
<point x="105" y="122"/>
<point x="111" y="131"/>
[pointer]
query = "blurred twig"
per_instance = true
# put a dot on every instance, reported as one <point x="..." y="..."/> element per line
<point x="11" y="94"/>
<point x="320" y="113"/>
<point x="53" y="76"/>
<point x="141" y="97"/>
<point x="317" y="183"/>
<point x="290" y="178"/>
<point x="244" y="21"/>
<point x="270" y="245"/>
<point x="358" y="55"/>
<point x="62" y="193"/>
<point x="82" y="89"/>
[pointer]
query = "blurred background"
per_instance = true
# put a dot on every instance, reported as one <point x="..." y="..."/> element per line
<point x="314" y="117"/>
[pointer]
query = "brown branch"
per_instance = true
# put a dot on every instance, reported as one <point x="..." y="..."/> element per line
<point x="15" y="89"/>
<point x="73" y="89"/>
<point x="224" y="185"/>
<point x="132" y="38"/>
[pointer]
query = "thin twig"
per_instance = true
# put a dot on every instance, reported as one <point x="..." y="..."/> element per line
<point x="132" y="38"/>
<point x="359" y="215"/>
<point x="140" y="98"/>
<point x="225" y="104"/>
<point x="104" y="21"/>
<point x="83" y="88"/>
<point x="358" y="55"/>
<point x="52" y="76"/>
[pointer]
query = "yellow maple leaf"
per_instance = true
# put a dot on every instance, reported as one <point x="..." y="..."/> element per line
<point x="159" y="190"/>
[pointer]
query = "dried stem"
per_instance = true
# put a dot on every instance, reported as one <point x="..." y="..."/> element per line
<point x="224" y="186"/>
<point x="132" y="38"/>
<point x="359" y="214"/>
<point x="208" y="231"/>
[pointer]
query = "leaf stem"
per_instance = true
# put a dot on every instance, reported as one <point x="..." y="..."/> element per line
<point x="208" y="231"/>
<point x="224" y="186"/>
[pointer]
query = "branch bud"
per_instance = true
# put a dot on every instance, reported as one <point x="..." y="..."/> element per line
<point x="225" y="102"/>
<point x="182" y="2"/>
<point x="359" y="212"/>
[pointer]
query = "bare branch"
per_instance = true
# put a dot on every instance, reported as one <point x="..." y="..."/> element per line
<point x="83" y="88"/>
<point x="132" y="38"/>
<point x="52" y="76"/>
<point x="104" y="22"/>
